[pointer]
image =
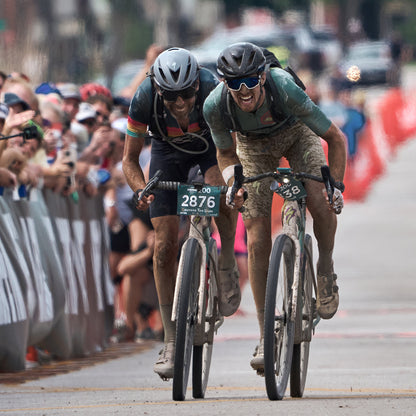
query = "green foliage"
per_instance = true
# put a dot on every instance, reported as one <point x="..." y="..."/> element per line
<point x="136" y="32"/>
<point x="138" y="37"/>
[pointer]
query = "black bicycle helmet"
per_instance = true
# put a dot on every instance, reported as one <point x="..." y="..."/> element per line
<point x="175" y="69"/>
<point x="239" y="60"/>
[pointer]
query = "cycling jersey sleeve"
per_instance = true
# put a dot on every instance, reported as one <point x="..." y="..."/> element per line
<point x="140" y="110"/>
<point x="214" y="118"/>
<point x="298" y="103"/>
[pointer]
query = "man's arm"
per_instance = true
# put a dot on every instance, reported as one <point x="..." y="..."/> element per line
<point x="227" y="157"/>
<point x="337" y="152"/>
<point x="131" y="166"/>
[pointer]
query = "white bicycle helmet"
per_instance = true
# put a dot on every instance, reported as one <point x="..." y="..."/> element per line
<point x="175" y="69"/>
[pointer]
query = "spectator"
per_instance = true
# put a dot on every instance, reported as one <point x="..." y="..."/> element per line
<point x="87" y="117"/>
<point x="71" y="98"/>
<point x="15" y="102"/>
<point x="103" y="106"/>
<point x="21" y="87"/>
<point x="131" y="256"/>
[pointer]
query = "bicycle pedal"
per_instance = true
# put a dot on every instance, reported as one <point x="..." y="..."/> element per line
<point x="260" y="372"/>
<point x="164" y="378"/>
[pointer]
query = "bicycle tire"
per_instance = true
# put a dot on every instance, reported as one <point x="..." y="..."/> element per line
<point x="304" y="312"/>
<point x="202" y="354"/>
<point x="186" y="317"/>
<point x="279" y="329"/>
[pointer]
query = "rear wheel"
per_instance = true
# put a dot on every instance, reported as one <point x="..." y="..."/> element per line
<point x="305" y="311"/>
<point x="186" y="317"/>
<point x="278" y="326"/>
<point x="202" y="353"/>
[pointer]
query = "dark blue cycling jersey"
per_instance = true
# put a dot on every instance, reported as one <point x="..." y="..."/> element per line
<point x="173" y="151"/>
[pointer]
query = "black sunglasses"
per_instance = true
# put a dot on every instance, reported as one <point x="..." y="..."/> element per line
<point x="173" y="95"/>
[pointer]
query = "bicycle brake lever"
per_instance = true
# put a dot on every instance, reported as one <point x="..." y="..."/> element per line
<point x="151" y="184"/>
<point x="328" y="181"/>
<point x="238" y="183"/>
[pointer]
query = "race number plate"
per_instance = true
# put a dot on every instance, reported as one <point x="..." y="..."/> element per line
<point x="291" y="190"/>
<point x="203" y="201"/>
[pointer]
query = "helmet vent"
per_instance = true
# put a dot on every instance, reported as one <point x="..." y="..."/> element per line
<point x="252" y="55"/>
<point x="175" y="75"/>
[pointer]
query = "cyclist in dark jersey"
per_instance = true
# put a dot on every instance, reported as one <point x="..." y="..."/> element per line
<point x="262" y="140"/>
<point x="168" y="106"/>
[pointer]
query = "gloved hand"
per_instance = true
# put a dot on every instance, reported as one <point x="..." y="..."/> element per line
<point x="337" y="201"/>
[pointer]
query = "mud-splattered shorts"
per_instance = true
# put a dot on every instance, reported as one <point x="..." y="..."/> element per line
<point x="301" y="147"/>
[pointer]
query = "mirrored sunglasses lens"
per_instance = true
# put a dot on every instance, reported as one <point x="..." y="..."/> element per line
<point x="235" y="84"/>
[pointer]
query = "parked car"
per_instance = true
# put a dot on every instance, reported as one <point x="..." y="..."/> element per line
<point x="368" y="63"/>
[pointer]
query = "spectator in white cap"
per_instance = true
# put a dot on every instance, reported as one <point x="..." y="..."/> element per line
<point x="71" y="98"/>
<point x="87" y="116"/>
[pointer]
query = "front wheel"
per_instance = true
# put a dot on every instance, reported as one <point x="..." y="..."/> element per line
<point x="279" y="330"/>
<point x="305" y="312"/>
<point x="202" y="353"/>
<point x="186" y="317"/>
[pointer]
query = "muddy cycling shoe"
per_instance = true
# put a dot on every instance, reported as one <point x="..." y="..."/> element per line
<point x="257" y="362"/>
<point x="229" y="290"/>
<point x="164" y="364"/>
<point x="328" y="297"/>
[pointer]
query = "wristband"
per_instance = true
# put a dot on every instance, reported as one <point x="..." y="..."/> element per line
<point x="228" y="173"/>
<point x="340" y="185"/>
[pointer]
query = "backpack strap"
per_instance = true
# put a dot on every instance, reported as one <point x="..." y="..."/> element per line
<point x="157" y="115"/>
<point x="229" y="119"/>
<point x="273" y="99"/>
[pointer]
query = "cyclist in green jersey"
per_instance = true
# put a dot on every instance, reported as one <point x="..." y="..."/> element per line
<point x="272" y="123"/>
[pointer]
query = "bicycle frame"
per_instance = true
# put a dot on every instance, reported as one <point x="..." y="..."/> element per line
<point x="293" y="221"/>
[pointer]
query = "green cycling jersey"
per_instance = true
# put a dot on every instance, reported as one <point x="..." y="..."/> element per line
<point x="294" y="103"/>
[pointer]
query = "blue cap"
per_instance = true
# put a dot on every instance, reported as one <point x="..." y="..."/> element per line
<point x="47" y="88"/>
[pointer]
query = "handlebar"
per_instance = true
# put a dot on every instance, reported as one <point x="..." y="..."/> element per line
<point x="156" y="183"/>
<point x="239" y="179"/>
<point x="280" y="174"/>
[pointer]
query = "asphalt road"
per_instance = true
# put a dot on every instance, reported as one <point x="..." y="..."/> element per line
<point x="362" y="362"/>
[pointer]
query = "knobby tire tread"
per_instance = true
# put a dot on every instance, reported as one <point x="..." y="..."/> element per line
<point x="202" y="353"/>
<point x="185" y="318"/>
<point x="283" y="254"/>
<point x="300" y="357"/>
